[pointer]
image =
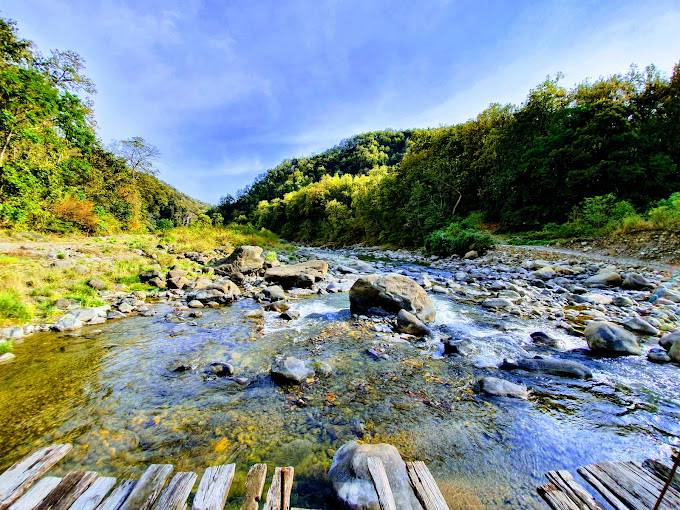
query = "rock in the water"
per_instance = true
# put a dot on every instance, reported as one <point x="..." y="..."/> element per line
<point x="623" y="301"/>
<point x="291" y="369"/>
<point x="274" y="293"/>
<point x="667" y="340"/>
<point x="290" y="315"/>
<point x="658" y="355"/>
<point x="244" y="259"/>
<point x="552" y="366"/>
<point x="665" y="293"/>
<point x="76" y="319"/>
<point x="277" y="306"/>
<point x="605" y="277"/>
<point x="639" y="325"/>
<point x="635" y="281"/>
<point x="462" y="346"/>
<point x="501" y="388"/>
<point x="352" y="481"/>
<point x="195" y="303"/>
<point x="604" y="337"/>
<point x="220" y="369"/>
<point x="497" y="303"/>
<point x="410" y="324"/>
<point x="674" y="351"/>
<point x="540" y="338"/>
<point x="303" y="275"/>
<point x="391" y="293"/>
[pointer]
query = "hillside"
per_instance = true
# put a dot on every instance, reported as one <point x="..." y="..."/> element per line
<point x="55" y="174"/>
<point x="601" y="155"/>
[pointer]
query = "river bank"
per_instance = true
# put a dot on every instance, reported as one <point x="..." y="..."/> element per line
<point x="191" y="386"/>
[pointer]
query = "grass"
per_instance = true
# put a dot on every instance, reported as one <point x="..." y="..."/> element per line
<point x="5" y="346"/>
<point x="59" y="266"/>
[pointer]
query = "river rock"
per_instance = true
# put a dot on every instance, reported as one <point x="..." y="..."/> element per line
<point x="76" y="319"/>
<point x="290" y="315"/>
<point x="220" y="369"/>
<point x="667" y="340"/>
<point x="96" y="284"/>
<point x="303" y="274"/>
<point x="545" y="340"/>
<point x="410" y="324"/>
<point x="244" y="259"/>
<point x="497" y="303"/>
<point x="277" y="306"/>
<point x="658" y="355"/>
<point x="636" y="281"/>
<point x="665" y="293"/>
<point x="639" y="325"/>
<point x="607" y="338"/>
<point x="352" y="481"/>
<point x="291" y="369"/>
<point x="552" y="366"/>
<point x="622" y="301"/>
<point x="501" y="388"/>
<point x="177" y="283"/>
<point x="606" y="277"/>
<point x="195" y="303"/>
<point x="274" y="292"/>
<point x="391" y="293"/>
<point x="8" y="357"/>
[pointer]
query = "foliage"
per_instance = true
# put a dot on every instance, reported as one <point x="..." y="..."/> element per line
<point x="164" y="224"/>
<point x="5" y="346"/>
<point x="55" y="174"/>
<point x="12" y="307"/>
<point x="459" y="238"/>
<point x="667" y="213"/>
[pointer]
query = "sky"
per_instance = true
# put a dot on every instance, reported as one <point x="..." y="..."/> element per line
<point x="227" y="89"/>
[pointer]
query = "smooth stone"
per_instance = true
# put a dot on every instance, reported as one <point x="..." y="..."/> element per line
<point x="390" y="292"/>
<point x="221" y="369"/>
<point x="277" y="306"/>
<point x="636" y="281"/>
<point x="195" y="303"/>
<point x="543" y="339"/>
<point x="608" y="338"/>
<point x="291" y="369"/>
<point x="552" y="366"/>
<point x="639" y="325"/>
<point x="410" y="324"/>
<point x="274" y="292"/>
<point x="622" y="301"/>
<point x="302" y="275"/>
<point x="8" y="357"/>
<point x="290" y="315"/>
<point x="497" y="303"/>
<point x="605" y="277"/>
<point x="667" y="340"/>
<point x="658" y="355"/>
<point x="501" y="388"/>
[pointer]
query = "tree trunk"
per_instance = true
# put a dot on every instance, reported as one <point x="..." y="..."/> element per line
<point x="4" y="148"/>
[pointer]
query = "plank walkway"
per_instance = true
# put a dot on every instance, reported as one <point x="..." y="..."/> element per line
<point x="622" y="485"/>
<point x="24" y="487"/>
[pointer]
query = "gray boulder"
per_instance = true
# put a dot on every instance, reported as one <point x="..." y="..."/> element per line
<point x="604" y="337"/>
<point x="497" y="303"/>
<point x="666" y="293"/>
<point x="76" y="319"/>
<point x="352" y="481"/>
<point x="552" y="366"/>
<point x="639" y="325"/>
<point x="501" y="388"/>
<point x="657" y="355"/>
<point x="303" y="274"/>
<point x="244" y="259"/>
<point x="274" y="293"/>
<point x="674" y="351"/>
<point x="636" y="281"/>
<point x="605" y="277"/>
<point x="667" y="340"/>
<point x="291" y="369"/>
<point x="410" y="324"/>
<point x="391" y="293"/>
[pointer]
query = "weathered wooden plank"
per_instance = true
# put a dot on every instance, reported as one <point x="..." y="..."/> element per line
<point x="68" y="491"/>
<point x="18" y="478"/>
<point x="214" y="488"/>
<point x="381" y="483"/>
<point x="38" y="491"/>
<point x="629" y="488"/>
<point x="655" y="484"/>
<point x="118" y="496"/>
<point x="278" y="497"/>
<point x="257" y="475"/>
<point x="148" y="487"/>
<point x="593" y="480"/>
<point x="95" y="494"/>
<point x="622" y="496"/>
<point x="662" y="472"/>
<point x="555" y="498"/>
<point x="175" y="495"/>
<point x="580" y="496"/>
<point x="424" y="486"/>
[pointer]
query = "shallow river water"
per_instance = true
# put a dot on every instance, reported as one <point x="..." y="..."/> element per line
<point x="112" y="392"/>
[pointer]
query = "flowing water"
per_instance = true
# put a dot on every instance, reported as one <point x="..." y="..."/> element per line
<point x="112" y="392"/>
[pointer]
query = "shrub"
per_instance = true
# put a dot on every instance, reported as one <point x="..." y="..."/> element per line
<point x="456" y="239"/>
<point x="77" y="211"/>
<point x="5" y="346"/>
<point x="12" y="307"/>
<point x="599" y="214"/>
<point x="667" y="213"/>
<point x="164" y="224"/>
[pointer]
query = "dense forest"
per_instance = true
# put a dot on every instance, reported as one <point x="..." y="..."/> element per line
<point x="610" y="145"/>
<point x="55" y="174"/>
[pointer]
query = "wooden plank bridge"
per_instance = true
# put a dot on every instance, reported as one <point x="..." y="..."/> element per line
<point x="649" y="485"/>
<point x="24" y="486"/>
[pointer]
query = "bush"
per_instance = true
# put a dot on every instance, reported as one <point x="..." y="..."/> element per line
<point x="457" y="239"/>
<point x="12" y="307"/>
<point x="599" y="214"/>
<point x="164" y="224"/>
<point x="5" y="346"/>
<point x="77" y="211"/>
<point x="667" y="212"/>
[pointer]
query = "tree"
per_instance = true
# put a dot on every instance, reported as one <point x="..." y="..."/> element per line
<point x="138" y="154"/>
<point x="65" y="70"/>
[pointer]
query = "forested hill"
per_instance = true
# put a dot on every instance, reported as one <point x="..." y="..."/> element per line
<point x="610" y="145"/>
<point x="55" y="175"/>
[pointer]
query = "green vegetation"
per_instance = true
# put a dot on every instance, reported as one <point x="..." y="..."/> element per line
<point x="12" y="307"/>
<point x="5" y="346"/>
<point x="459" y="237"/>
<point x="564" y="163"/>
<point x="55" y="175"/>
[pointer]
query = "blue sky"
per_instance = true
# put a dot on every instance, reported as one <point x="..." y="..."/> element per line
<point x="227" y="89"/>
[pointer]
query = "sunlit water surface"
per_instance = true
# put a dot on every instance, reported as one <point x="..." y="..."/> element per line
<point x="111" y="391"/>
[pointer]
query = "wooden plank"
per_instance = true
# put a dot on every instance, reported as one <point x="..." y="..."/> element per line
<point x="68" y="491"/>
<point x="148" y="487"/>
<point x="672" y="495"/>
<point x="278" y="497"/>
<point x="555" y="498"/>
<point x="118" y="496"/>
<point x="661" y="472"/>
<point x="214" y="488"/>
<point x="563" y="480"/>
<point x="424" y="486"/>
<point x="257" y="475"/>
<point x="623" y="497"/>
<point x="36" y="493"/>
<point x="18" y="478"/>
<point x="593" y="480"/>
<point x="630" y="487"/>
<point x="95" y="494"/>
<point x="381" y="483"/>
<point x="175" y="495"/>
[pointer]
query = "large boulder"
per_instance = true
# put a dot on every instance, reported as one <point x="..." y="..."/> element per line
<point x="606" y="278"/>
<point x="221" y="291"/>
<point x="636" y="281"/>
<point x="244" y="259"/>
<point x="76" y="319"/>
<point x="352" y="481"/>
<point x="674" y="351"/>
<point x="391" y="293"/>
<point x="667" y="340"/>
<point x="552" y="366"/>
<point x="605" y="337"/>
<point x="410" y="324"/>
<point x="303" y="274"/>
